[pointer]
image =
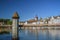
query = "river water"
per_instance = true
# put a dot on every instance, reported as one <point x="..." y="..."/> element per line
<point x="34" y="34"/>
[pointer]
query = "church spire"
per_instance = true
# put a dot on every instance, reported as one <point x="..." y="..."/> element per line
<point x="36" y="17"/>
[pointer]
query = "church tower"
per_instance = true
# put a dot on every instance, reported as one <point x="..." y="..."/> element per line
<point x="36" y="17"/>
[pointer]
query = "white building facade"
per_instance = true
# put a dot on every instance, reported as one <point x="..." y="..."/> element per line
<point x="54" y="20"/>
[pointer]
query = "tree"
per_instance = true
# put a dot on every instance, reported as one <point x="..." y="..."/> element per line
<point x="6" y="21"/>
<point x="9" y="22"/>
<point x="1" y="19"/>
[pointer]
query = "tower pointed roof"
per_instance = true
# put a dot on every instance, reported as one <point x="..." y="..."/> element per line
<point x="15" y="16"/>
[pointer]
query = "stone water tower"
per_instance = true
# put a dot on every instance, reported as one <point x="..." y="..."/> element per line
<point x="15" y="25"/>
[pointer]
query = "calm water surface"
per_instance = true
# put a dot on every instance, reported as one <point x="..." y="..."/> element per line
<point x="34" y="35"/>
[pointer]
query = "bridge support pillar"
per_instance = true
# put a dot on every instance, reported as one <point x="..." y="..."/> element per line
<point x="15" y="21"/>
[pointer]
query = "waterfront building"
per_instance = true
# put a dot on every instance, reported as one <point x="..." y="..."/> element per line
<point x="54" y="20"/>
<point x="33" y="21"/>
<point x="50" y="20"/>
<point x="22" y="23"/>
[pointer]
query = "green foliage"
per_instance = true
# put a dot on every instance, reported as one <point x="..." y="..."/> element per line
<point x="6" y="21"/>
<point x="9" y="22"/>
<point x="1" y="19"/>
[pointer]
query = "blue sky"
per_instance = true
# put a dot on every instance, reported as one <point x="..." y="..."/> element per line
<point x="27" y="9"/>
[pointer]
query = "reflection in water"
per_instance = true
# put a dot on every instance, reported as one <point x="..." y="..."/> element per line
<point x="35" y="34"/>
